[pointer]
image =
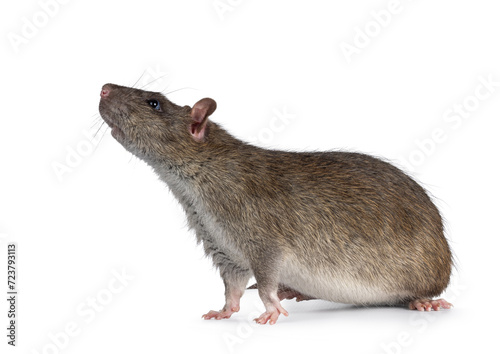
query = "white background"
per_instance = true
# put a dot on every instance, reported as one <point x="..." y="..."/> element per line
<point x="108" y="213"/>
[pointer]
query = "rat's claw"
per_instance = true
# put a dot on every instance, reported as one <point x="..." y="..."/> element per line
<point x="271" y="316"/>
<point x="219" y="315"/>
<point x="429" y="305"/>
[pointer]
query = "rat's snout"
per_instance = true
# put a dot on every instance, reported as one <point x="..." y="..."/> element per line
<point x="105" y="91"/>
<point x="108" y="109"/>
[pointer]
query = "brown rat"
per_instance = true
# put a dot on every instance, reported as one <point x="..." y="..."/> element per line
<point x="338" y="226"/>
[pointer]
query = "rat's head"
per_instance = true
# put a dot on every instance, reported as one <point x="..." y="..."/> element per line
<point x="150" y="126"/>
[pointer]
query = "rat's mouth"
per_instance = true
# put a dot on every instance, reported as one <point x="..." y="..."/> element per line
<point x="116" y="132"/>
<point x="108" y="116"/>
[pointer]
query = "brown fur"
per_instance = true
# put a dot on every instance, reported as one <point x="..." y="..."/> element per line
<point x="340" y="226"/>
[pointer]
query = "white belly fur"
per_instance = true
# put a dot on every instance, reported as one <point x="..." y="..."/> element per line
<point x="335" y="287"/>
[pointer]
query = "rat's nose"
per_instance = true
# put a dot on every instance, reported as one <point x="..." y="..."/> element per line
<point x="105" y="91"/>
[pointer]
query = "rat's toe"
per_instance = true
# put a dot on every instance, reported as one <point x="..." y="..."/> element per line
<point x="218" y="315"/>
<point x="429" y="305"/>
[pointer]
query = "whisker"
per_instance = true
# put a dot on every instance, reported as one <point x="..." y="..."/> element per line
<point x="182" y="88"/>
<point x="97" y="132"/>
<point x="158" y="78"/>
<point x="102" y="136"/>
<point x="96" y="121"/>
<point x="139" y="79"/>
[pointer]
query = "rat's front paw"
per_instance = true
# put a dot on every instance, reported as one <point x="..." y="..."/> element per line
<point x="219" y="315"/>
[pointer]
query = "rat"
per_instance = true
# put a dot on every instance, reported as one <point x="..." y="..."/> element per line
<point x="339" y="226"/>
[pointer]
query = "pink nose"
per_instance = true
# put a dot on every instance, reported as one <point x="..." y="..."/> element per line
<point x="104" y="92"/>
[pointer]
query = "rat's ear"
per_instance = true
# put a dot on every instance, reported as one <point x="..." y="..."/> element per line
<point x="199" y="115"/>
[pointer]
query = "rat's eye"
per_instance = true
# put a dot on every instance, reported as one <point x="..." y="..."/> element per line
<point x="155" y="104"/>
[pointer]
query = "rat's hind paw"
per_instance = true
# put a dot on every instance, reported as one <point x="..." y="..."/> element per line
<point x="428" y="304"/>
<point x="289" y="294"/>
<point x="284" y="292"/>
